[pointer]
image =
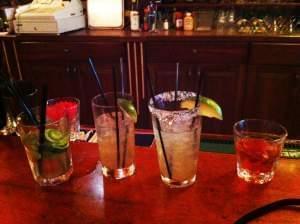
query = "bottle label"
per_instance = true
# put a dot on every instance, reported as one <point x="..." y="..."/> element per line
<point x="179" y="23"/>
<point x="134" y="21"/>
<point x="166" y="25"/>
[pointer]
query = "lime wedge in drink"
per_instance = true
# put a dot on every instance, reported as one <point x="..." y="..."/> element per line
<point x="208" y="107"/>
<point x="128" y="107"/>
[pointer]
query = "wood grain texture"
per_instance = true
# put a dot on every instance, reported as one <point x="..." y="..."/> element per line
<point x="218" y="196"/>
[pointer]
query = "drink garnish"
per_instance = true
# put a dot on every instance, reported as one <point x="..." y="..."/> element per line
<point x="128" y="107"/>
<point x="208" y="107"/>
<point x="57" y="139"/>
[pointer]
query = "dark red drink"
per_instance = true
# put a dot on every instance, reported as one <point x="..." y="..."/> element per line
<point x="257" y="155"/>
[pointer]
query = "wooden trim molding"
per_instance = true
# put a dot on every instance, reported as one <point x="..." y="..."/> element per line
<point x="136" y="75"/>
<point x="17" y="60"/>
<point x="6" y="59"/>
<point x="129" y="68"/>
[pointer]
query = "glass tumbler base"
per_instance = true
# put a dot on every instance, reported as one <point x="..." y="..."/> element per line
<point x="118" y="173"/>
<point x="256" y="178"/>
<point x="56" y="180"/>
<point x="178" y="184"/>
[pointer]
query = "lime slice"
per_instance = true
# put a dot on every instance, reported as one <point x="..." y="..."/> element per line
<point x="128" y="107"/>
<point x="53" y="135"/>
<point x="208" y="107"/>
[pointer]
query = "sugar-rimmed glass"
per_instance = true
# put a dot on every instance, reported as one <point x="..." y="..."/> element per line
<point x="177" y="136"/>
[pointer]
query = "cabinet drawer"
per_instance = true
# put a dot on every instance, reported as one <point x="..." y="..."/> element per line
<point x="106" y="51"/>
<point x="210" y="53"/>
<point x="272" y="53"/>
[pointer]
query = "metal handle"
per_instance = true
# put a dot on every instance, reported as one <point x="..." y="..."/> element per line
<point x="190" y="72"/>
<point x="75" y="69"/>
<point x="66" y="50"/>
<point x="68" y="69"/>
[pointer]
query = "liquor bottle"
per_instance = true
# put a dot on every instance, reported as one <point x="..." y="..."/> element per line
<point x="178" y="20"/>
<point x="145" y="20"/>
<point x="134" y="16"/>
<point x="188" y="22"/>
<point x="150" y="17"/>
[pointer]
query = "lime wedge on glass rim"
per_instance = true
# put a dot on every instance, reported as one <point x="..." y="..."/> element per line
<point x="128" y="107"/>
<point x="208" y="107"/>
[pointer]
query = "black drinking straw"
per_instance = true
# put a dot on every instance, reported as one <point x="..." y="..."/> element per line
<point x="116" y="116"/>
<point x="159" y="127"/>
<point x="199" y="88"/>
<point x="14" y="91"/>
<point x="43" y="116"/>
<point x="122" y="76"/>
<point x="177" y="81"/>
<point x="126" y="128"/>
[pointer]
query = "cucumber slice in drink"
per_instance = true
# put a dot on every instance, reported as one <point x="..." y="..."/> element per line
<point x="61" y="145"/>
<point x="58" y="141"/>
<point x="53" y="135"/>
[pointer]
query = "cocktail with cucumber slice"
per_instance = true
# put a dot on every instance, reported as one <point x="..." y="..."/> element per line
<point x="51" y="162"/>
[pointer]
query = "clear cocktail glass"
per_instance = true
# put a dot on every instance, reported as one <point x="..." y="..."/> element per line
<point x="51" y="162"/>
<point x="177" y="135"/>
<point x="258" y="144"/>
<point x="69" y="106"/>
<point x="116" y="143"/>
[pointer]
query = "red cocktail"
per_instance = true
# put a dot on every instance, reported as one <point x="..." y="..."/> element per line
<point x="69" y="107"/>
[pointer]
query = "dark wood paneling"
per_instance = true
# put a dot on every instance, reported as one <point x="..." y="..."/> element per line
<point x="273" y="93"/>
<point x="106" y="52"/>
<point x="197" y="52"/>
<point x="64" y="67"/>
<point x="275" y="53"/>
<point x="223" y="66"/>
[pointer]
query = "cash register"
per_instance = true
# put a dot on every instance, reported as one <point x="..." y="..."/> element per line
<point x="49" y="16"/>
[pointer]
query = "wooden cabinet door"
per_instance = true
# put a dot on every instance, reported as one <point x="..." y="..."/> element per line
<point x="65" y="68"/>
<point x="225" y="84"/>
<point x="222" y="83"/>
<point x="274" y="84"/>
<point x="221" y="64"/>
<point x="274" y="93"/>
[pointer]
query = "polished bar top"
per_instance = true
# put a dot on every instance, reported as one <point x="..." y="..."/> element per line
<point x="217" y="197"/>
<point x="171" y="35"/>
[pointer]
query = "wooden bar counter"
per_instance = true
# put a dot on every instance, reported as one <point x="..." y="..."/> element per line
<point x="217" y="197"/>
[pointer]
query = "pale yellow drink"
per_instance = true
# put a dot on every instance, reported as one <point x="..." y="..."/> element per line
<point x="111" y="158"/>
<point x="115" y="135"/>
<point x="177" y="136"/>
<point x="182" y="153"/>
